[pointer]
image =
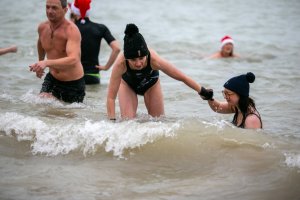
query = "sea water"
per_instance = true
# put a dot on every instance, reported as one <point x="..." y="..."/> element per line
<point x="52" y="150"/>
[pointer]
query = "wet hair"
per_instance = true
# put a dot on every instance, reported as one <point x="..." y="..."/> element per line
<point x="64" y="3"/>
<point x="244" y="104"/>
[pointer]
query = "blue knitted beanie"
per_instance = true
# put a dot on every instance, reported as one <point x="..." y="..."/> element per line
<point x="240" y="84"/>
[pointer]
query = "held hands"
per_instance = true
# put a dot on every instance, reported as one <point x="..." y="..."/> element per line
<point x="206" y="94"/>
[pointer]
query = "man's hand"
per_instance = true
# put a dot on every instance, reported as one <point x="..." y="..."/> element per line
<point x="101" y="67"/>
<point x="40" y="74"/>
<point x="39" y="66"/>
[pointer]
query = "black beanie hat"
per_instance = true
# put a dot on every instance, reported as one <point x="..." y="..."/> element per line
<point x="134" y="43"/>
<point x="240" y="84"/>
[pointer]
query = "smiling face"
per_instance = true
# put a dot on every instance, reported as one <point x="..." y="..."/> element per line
<point x="231" y="97"/>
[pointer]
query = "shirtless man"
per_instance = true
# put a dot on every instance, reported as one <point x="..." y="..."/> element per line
<point x="59" y="41"/>
<point x="227" y="47"/>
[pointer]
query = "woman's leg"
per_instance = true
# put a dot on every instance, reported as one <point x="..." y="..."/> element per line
<point x="154" y="100"/>
<point x="128" y="101"/>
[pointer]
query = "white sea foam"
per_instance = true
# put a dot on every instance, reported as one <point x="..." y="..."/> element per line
<point x="219" y="123"/>
<point x="87" y="136"/>
<point x="23" y="127"/>
<point x="268" y="145"/>
<point x="292" y="160"/>
<point x="7" y="97"/>
<point x="31" y="97"/>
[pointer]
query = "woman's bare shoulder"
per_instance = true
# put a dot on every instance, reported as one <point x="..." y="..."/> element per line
<point x="252" y="121"/>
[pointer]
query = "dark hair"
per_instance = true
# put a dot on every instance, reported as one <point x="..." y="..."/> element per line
<point x="245" y="103"/>
<point x="72" y="16"/>
<point x="64" y="3"/>
<point x="231" y="53"/>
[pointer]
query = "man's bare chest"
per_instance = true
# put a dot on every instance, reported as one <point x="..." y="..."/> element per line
<point x="53" y="41"/>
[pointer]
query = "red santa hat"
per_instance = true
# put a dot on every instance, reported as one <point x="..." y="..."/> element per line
<point x="81" y="8"/>
<point x="225" y="40"/>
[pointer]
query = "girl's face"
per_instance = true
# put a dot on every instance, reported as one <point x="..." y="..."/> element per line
<point x="227" y="48"/>
<point x="138" y="63"/>
<point x="231" y="97"/>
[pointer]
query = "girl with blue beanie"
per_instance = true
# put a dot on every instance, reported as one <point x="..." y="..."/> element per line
<point x="236" y="93"/>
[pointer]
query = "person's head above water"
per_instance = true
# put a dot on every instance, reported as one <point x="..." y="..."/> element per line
<point x="134" y="43"/>
<point x="227" y="45"/>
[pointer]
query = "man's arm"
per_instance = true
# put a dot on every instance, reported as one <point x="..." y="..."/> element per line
<point x="115" y="47"/>
<point x="41" y="51"/>
<point x="42" y="54"/>
<point x="11" y="49"/>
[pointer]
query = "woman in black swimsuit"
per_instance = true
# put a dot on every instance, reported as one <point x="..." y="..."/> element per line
<point x="136" y="72"/>
<point x="236" y="93"/>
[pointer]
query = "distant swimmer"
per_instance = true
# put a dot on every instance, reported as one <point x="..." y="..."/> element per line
<point x="236" y="92"/>
<point x="11" y="49"/>
<point x="59" y="42"/>
<point x="136" y="72"/>
<point x="92" y="35"/>
<point x="227" y="47"/>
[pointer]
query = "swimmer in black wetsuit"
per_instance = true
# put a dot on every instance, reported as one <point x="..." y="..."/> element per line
<point x="92" y="34"/>
<point x="236" y="93"/>
<point x="136" y="72"/>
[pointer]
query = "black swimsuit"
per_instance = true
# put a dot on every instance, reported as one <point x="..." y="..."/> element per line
<point x="141" y="80"/>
